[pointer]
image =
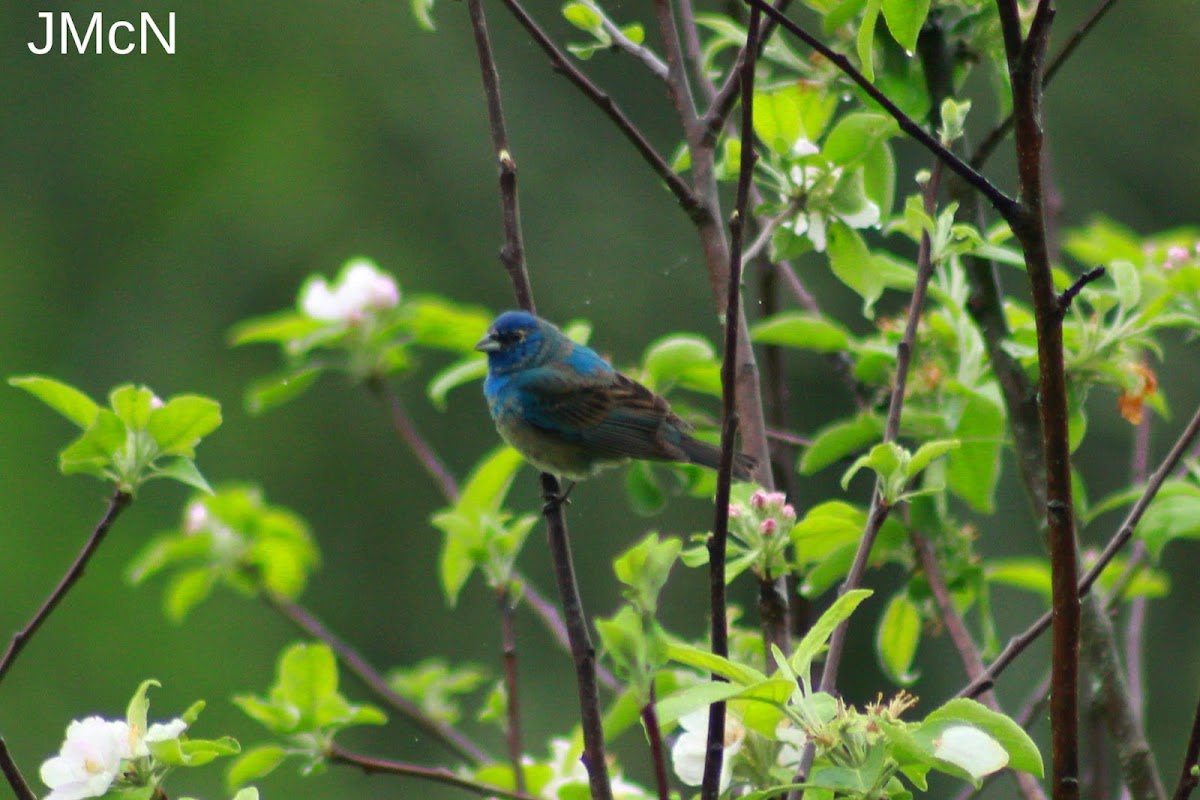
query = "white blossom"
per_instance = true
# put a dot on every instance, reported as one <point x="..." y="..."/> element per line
<point x="970" y="748"/>
<point x="89" y="760"/>
<point x="360" y="289"/>
<point x="687" y="755"/>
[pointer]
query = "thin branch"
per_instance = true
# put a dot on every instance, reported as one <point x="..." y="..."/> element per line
<point x="358" y="666"/>
<point x="692" y="49"/>
<point x="879" y="507"/>
<point x="562" y="64"/>
<point x="1021" y="641"/>
<point x="407" y="430"/>
<point x="718" y="621"/>
<point x="582" y="651"/>
<point x="116" y="504"/>
<point x="13" y="774"/>
<point x="512" y="254"/>
<point x="652" y="62"/>
<point x="1006" y="206"/>
<point x="678" y="85"/>
<point x="1071" y="292"/>
<point x="508" y="643"/>
<point x="654" y="736"/>
<point x="989" y="143"/>
<point x="1189" y="778"/>
<point x="337" y="755"/>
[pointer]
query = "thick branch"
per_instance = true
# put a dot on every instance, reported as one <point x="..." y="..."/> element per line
<point x="337" y="755"/>
<point x="116" y="505"/>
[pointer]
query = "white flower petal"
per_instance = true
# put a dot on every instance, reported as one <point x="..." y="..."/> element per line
<point x="803" y="147"/>
<point x="320" y="303"/>
<point x="816" y="230"/>
<point x="865" y="217"/>
<point x="970" y="748"/>
<point x="89" y="760"/>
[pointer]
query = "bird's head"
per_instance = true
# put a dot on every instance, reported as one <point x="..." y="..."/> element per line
<point x="514" y="341"/>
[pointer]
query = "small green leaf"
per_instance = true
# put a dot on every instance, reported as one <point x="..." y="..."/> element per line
<point x="139" y="706"/>
<point x="183" y="470"/>
<point x="927" y="454"/>
<point x="1028" y="574"/>
<point x="583" y="16"/>
<point x="852" y="263"/>
<point x="66" y="400"/>
<point x="1023" y="753"/>
<point x="132" y="404"/>
<point x="897" y="639"/>
<point x="709" y="662"/>
<point x="488" y="484"/>
<point x="866" y="39"/>
<point x="422" y="11"/>
<point x="187" y="590"/>
<point x="182" y="422"/>
<point x="308" y="679"/>
<point x="856" y="135"/>
<point x="904" y="19"/>
<point x="839" y="440"/>
<point x="887" y="460"/>
<point x="646" y="494"/>
<point x="634" y="32"/>
<point x="801" y="329"/>
<point x="94" y="449"/>
<point x="286" y="326"/>
<point x="255" y="763"/>
<point x="815" y="639"/>
<point x="1129" y="285"/>
<point x="466" y="370"/>
<point x="682" y="359"/>
<point x="271" y="392"/>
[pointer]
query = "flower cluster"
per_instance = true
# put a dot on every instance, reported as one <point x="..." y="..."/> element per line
<point x="360" y="290"/>
<point x="761" y="526"/>
<point x="99" y="752"/>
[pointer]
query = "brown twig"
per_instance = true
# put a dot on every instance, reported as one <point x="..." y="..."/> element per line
<point x="337" y="755"/>
<point x="407" y="430"/>
<point x="1189" y="778"/>
<point x="718" y="621"/>
<point x="657" y="755"/>
<point x="605" y="103"/>
<point x="12" y="774"/>
<point x="116" y="504"/>
<point x="508" y="643"/>
<point x="358" y="666"/>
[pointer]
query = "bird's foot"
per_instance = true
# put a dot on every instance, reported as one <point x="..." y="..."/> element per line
<point x="557" y="501"/>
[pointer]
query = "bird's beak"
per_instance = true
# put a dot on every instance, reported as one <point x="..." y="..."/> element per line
<point x="488" y="343"/>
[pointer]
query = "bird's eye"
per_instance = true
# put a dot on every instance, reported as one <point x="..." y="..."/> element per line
<point x="519" y="335"/>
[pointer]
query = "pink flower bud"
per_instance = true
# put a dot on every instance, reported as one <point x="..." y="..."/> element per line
<point x="736" y="510"/>
<point x="776" y="498"/>
<point x="789" y="513"/>
<point x="768" y="527"/>
<point x="1176" y="256"/>
<point x="758" y="500"/>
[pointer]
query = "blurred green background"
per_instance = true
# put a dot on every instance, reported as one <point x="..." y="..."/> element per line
<point x="149" y="202"/>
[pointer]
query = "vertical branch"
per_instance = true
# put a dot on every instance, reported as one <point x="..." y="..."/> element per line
<point x="508" y="643"/>
<point x="657" y="755"/>
<point x="1188" y="778"/>
<point x="12" y="774"/>
<point x="513" y="256"/>
<point x="714" y="752"/>
<point x="116" y="504"/>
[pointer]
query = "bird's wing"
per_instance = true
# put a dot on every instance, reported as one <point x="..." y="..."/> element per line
<point x="609" y="413"/>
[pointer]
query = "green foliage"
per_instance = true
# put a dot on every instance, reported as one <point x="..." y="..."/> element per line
<point x="138" y="438"/>
<point x="232" y="537"/>
<point x="435" y="686"/>
<point x="303" y="707"/>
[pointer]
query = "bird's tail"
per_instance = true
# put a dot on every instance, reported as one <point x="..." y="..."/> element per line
<point x="707" y="455"/>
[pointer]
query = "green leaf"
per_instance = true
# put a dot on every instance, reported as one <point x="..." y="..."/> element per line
<point x="887" y="460"/>
<point x="856" y="135"/>
<point x="815" y="639"/>
<point x="897" y="639"/>
<point x="644" y="568"/>
<point x="308" y="680"/>
<point x="973" y="469"/>
<point x="927" y="453"/>
<point x="182" y="422"/>
<point x="1023" y="753"/>
<point x="673" y="359"/>
<point x="1129" y="285"/>
<point x="193" y="752"/>
<point x="777" y="118"/>
<point x="708" y="662"/>
<point x="255" y="763"/>
<point x="462" y="550"/>
<point x="94" y="449"/>
<point x="422" y="11"/>
<point x="132" y="404"/>
<point x="1173" y="514"/>
<point x="801" y="329"/>
<point x="488" y="484"/>
<point x="271" y="392"/>
<point x="437" y="322"/>
<point x="645" y="492"/>
<point x="853" y="264"/>
<point x="1028" y="574"/>
<point x="285" y="326"/>
<point x="66" y="400"/>
<point x="583" y="16"/>
<point x="139" y="706"/>
<point x="183" y="470"/>
<point x="904" y="19"/>
<point x="466" y="370"/>
<point x="187" y="590"/>
<point x="839" y="440"/>
<point x="866" y="39"/>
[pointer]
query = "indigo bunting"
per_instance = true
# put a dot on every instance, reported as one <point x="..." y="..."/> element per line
<point x="570" y="413"/>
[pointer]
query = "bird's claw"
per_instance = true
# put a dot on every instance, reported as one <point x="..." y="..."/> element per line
<point x="556" y="501"/>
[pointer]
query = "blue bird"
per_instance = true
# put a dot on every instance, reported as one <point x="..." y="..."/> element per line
<point x="570" y="413"/>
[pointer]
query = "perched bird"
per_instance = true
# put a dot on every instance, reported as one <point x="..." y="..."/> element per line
<point x="571" y="414"/>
